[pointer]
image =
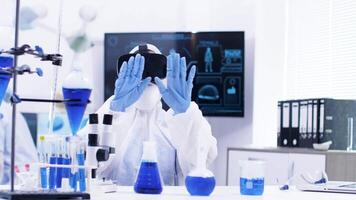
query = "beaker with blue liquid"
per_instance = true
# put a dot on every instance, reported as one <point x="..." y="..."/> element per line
<point x="252" y="173"/>
<point x="148" y="179"/>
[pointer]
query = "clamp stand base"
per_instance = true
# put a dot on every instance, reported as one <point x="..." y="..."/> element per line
<point x="34" y="195"/>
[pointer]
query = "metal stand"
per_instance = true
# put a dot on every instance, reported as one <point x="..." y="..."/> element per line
<point x="31" y="195"/>
<point x="13" y="127"/>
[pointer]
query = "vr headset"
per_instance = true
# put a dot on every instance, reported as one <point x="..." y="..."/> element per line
<point x="155" y="62"/>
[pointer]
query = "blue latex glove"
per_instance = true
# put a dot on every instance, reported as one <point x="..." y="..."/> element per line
<point x="178" y="93"/>
<point x="129" y="86"/>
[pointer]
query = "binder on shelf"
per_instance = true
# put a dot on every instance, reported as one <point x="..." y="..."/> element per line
<point x="294" y="128"/>
<point x="315" y="134"/>
<point x="334" y="122"/>
<point x="303" y="123"/>
<point x="285" y="131"/>
<point x="331" y="127"/>
<point x="308" y="141"/>
<point x="308" y="121"/>
<point x="279" y="123"/>
<point x="321" y="120"/>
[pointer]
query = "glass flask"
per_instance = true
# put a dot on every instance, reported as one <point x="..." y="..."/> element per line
<point x="4" y="76"/>
<point x="200" y="182"/>
<point x="76" y="87"/>
<point x="148" y="179"/>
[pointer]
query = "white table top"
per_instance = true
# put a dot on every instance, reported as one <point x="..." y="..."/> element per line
<point x="220" y="193"/>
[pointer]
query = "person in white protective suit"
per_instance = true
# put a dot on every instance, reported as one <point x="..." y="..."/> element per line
<point x="25" y="149"/>
<point x="179" y="133"/>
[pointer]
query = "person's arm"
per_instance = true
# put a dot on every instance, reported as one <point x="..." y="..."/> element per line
<point x="191" y="134"/>
<point x="25" y="150"/>
<point x="129" y="86"/>
<point x="2" y="150"/>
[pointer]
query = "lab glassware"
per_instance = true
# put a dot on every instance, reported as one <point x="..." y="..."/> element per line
<point x="252" y="173"/>
<point x="81" y="171"/>
<point x="148" y="179"/>
<point x="43" y="159"/>
<point x="200" y="181"/>
<point x="52" y="172"/>
<point x="76" y="109"/>
<point x="5" y="61"/>
<point x="60" y="160"/>
<point x="76" y="92"/>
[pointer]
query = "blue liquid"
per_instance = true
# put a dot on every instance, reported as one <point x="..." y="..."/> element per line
<point x="148" y="180"/>
<point x="200" y="186"/>
<point x="73" y="179"/>
<point x="75" y="110"/>
<point x="6" y="61"/>
<point x="82" y="186"/>
<point x="59" y="172"/>
<point x="52" y="173"/>
<point x="252" y="186"/>
<point x="4" y="82"/>
<point x="66" y="171"/>
<point x="43" y="172"/>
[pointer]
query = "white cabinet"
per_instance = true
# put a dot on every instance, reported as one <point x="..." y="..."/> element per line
<point x="277" y="164"/>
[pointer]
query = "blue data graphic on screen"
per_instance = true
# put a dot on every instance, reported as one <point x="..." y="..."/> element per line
<point x="219" y="57"/>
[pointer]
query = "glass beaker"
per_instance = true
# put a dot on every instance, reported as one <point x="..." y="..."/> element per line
<point x="252" y="173"/>
<point x="148" y="179"/>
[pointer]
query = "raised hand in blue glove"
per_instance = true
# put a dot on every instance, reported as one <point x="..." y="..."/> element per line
<point x="178" y="93"/>
<point x="129" y="86"/>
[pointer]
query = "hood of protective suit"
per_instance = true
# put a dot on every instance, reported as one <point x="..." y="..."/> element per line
<point x="149" y="98"/>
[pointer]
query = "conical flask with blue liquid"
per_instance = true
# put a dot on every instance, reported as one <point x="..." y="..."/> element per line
<point x="76" y="91"/>
<point x="5" y="61"/>
<point x="148" y="179"/>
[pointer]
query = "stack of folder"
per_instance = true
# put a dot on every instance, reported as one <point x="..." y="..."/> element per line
<point x="304" y="122"/>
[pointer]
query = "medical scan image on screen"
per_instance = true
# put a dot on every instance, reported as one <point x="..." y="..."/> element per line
<point x="219" y="58"/>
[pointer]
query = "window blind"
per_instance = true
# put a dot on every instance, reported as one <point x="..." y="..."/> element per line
<point x="320" y="59"/>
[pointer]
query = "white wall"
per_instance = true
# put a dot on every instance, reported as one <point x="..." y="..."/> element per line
<point x="233" y="132"/>
<point x="263" y="30"/>
<point x="269" y="63"/>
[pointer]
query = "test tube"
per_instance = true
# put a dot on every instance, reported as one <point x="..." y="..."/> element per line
<point x="52" y="170"/>
<point x="60" y="162"/>
<point x="66" y="171"/>
<point x="81" y="173"/>
<point x="43" y="159"/>
<point x="73" y="177"/>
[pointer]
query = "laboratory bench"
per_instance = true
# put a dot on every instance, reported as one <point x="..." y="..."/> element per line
<point x="280" y="161"/>
<point x="220" y="193"/>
